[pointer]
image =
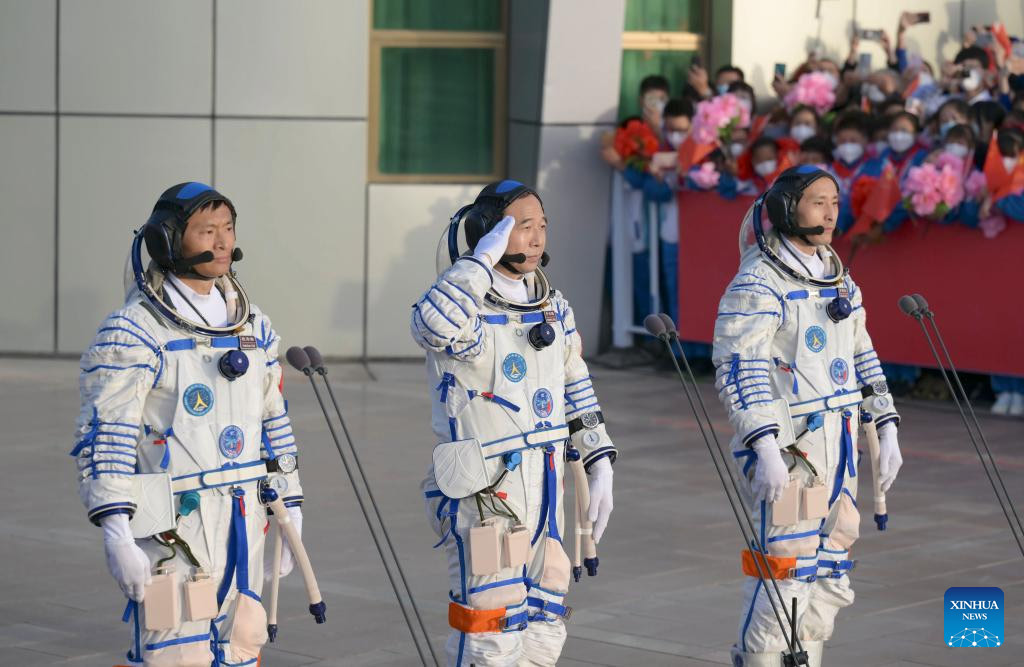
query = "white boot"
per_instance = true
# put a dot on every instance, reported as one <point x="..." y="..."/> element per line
<point x="814" y="651"/>
<point x="741" y="659"/>
<point x="1002" y="404"/>
<point x="1016" y="405"/>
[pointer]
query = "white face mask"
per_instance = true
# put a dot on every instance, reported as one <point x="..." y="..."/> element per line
<point x="832" y="80"/>
<point x="873" y="93"/>
<point x="801" y="132"/>
<point x="675" y="138"/>
<point x="972" y="82"/>
<point x="654" y="103"/>
<point x="1009" y="162"/>
<point x="901" y="140"/>
<point x="956" y="150"/>
<point x="924" y="79"/>
<point x="722" y="88"/>
<point x="736" y="149"/>
<point x="766" y="168"/>
<point x="849" y="152"/>
<point x="879" y="146"/>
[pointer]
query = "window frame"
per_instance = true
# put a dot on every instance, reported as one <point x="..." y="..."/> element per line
<point x="497" y="41"/>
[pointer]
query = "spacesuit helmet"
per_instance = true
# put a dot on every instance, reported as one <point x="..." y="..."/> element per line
<point x="473" y="221"/>
<point x="165" y="228"/>
<point x="782" y="198"/>
<point x="156" y="251"/>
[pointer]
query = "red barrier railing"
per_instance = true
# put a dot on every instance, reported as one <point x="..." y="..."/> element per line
<point x="973" y="284"/>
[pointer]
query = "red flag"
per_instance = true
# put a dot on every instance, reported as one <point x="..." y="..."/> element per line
<point x="691" y="153"/>
<point x="998" y="31"/>
<point x="756" y="128"/>
<point x="1014" y="184"/>
<point x="996" y="176"/>
<point x="880" y="203"/>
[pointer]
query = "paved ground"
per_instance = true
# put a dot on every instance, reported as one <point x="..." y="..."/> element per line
<point x="669" y="583"/>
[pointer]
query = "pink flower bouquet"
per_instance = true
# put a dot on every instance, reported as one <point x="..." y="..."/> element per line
<point x="716" y="118"/>
<point x="814" y="90"/>
<point x="931" y="191"/>
<point x="706" y="177"/>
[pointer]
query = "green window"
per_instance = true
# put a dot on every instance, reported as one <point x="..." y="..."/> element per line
<point x="437" y="90"/>
<point x="660" y="37"/>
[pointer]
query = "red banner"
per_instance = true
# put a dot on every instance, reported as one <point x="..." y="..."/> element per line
<point x="971" y="283"/>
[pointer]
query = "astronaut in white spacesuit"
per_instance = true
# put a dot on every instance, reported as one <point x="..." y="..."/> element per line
<point x="512" y="399"/>
<point x="182" y="420"/>
<point x="797" y="372"/>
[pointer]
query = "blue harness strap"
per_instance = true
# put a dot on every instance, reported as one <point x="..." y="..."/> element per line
<point x="131" y="613"/>
<point x="237" y="566"/>
<point x="181" y="344"/>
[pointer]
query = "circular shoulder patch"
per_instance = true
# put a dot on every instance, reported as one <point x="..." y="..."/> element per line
<point x="815" y="338"/>
<point x="231" y="441"/>
<point x="197" y="399"/>
<point x="543" y="404"/>
<point x="514" y="367"/>
<point x="839" y="370"/>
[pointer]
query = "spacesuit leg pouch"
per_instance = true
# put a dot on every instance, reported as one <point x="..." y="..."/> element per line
<point x="459" y="468"/>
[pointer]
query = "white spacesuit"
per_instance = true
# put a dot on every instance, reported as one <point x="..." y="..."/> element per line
<point x="793" y="356"/>
<point x="511" y="394"/>
<point x="201" y="404"/>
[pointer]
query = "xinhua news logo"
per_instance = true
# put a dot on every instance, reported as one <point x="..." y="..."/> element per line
<point x="973" y="617"/>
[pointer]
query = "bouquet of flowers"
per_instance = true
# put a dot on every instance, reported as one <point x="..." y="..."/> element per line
<point x="716" y="118"/>
<point x="635" y="143"/>
<point x="931" y="190"/>
<point x="814" y="90"/>
<point x="705" y="177"/>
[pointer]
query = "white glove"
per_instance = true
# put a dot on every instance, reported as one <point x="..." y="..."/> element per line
<point x="128" y="564"/>
<point x="770" y="474"/>
<point x="600" y="496"/>
<point x="889" y="458"/>
<point x="287" y="560"/>
<point x="491" y="247"/>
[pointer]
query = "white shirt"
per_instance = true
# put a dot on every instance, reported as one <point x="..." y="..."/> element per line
<point x="211" y="306"/>
<point x="801" y="262"/>
<point x="513" y="289"/>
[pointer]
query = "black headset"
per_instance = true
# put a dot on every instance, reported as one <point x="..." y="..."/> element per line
<point x="486" y="211"/>
<point x="784" y="195"/>
<point x="165" y="227"/>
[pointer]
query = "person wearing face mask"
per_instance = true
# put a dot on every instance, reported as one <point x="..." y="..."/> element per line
<point x="765" y="162"/>
<point x="900" y="154"/>
<point x="678" y="117"/>
<point x="880" y="87"/>
<point x="953" y="112"/>
<point x="850" y="136"/>
<point x="803" y="124"/>
<point x="971" y="76"/>
<point x="699" y="86"/>
<point x="1009" y="200"/>
<point x="746" y="95"/>
<point x="654" y="94"/>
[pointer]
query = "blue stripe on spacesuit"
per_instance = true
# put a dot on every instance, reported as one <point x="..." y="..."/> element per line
<point x="573" y="384"/>
<point x="576" y="391"/>
<point x="118" y="368"/>
<point x="452" y="299"/>
<point x="427" y="299"/>
<point x="584" y="406"/>
<point x="416" y="312"/>
<point x="468" y="295"/>
<point x="760" y="312"/>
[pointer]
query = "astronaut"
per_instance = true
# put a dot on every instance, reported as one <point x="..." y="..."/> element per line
<point x="797" y="372"/>
<point x="512" y="398"/>
<point x="182" y="421"/>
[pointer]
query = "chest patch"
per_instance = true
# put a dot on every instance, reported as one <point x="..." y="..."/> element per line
<point x="815" y="338"/>
<point x="839" y="370"/>
<point x="514" y="367"/>
<point x="231" y="441"/>
<point x="543" y="404"/>
<point x="197" y="399"/>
